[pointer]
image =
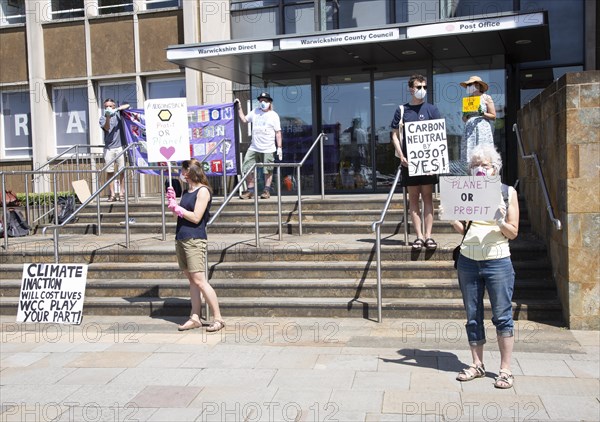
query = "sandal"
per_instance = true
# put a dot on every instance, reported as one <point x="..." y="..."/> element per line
<point x="112" y="198"/>
<point x="190" y="324"/>
<point x="430" y="243"/>
<point x="504" y="380"/>
<point x="418" y="244"/>
<point x="470" y="373"/>
<point x="122" y="198"/>
<point x="216" y="325"/>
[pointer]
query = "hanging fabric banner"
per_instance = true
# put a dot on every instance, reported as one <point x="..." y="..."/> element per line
<point x="207" y="125"/>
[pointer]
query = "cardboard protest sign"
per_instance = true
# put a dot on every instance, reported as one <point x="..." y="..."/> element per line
<point x="471" y="104"/>
<point x="167" y="133"/>
<point x="470" y="197"/>
<point x="52" y="293"/>
<point x="427" y="147"/>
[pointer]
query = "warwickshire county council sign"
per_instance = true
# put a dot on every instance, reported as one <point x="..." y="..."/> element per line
<point x="340" y="39"/>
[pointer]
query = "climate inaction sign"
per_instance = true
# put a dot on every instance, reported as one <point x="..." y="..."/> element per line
<point x="52" y="293"/>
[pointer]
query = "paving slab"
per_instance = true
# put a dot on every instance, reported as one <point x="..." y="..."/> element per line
<point x="281" y="369"/>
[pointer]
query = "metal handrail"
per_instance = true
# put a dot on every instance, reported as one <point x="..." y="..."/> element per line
<point x="98" y="192"/>
<point x="298" y="166"/>
<point x="376" y="227"/>
<point x="533" y="156"/>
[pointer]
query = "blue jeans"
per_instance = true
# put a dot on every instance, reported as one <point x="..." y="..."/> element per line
<point x="498" y="277"/>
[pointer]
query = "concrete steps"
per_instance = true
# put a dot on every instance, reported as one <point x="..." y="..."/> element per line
<point x="329" y="271"/>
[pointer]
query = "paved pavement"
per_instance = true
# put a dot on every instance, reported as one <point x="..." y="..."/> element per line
<point x="275" y="369"/>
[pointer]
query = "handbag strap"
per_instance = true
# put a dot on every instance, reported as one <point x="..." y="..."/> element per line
<point x="466" y="230"/>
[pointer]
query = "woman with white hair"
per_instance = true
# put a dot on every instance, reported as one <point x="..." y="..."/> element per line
<point x="484" y="263"/>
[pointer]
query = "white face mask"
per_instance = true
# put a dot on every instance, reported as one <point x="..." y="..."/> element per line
<point x="481" y="171"/>
<point x="471" y="89"/>
<point x="182" y="178"/>
<point x="264" y="105"/>
<point x="420" y="94"/>
<point x="110" y="110"/>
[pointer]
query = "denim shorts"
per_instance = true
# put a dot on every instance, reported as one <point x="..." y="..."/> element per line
<point x="191" y="254"/>
<point x="497" y="276"/>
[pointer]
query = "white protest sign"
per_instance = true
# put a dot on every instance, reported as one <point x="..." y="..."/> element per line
<point x="427" y="147"/>
<point x="167" y="132"/>
<point x="470" y="197"/>
<point x="52" y="293"/>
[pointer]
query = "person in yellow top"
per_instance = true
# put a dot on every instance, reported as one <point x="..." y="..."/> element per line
<point x="485" y="264"/>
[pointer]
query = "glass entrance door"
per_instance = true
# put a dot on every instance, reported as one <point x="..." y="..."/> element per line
<point x="346" y="119"/>
<point x="356" y="113"/>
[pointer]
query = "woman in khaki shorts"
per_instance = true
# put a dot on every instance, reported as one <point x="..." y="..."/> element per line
<point x="193" y="212"/>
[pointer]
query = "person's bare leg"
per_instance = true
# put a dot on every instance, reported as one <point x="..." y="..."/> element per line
<point x="268" y="180"/>
<point x="413" y="208"/>
<point x="427" y="195"/>
<point x="208" y="292"/>
<point x="111" y="185"/>
<point x="506" y="345"/>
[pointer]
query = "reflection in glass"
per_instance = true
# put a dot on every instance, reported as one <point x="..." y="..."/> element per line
<point x="346" y="118"/>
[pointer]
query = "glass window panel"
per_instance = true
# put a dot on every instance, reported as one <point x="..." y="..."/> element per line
<point x="124" y="93"/>
<point x="67" y="9"/>
<point x="416" y="11"/>
<point x="299" y="19"/>
<point x="114" y="6"/>
<point x="566" y="20"/>
<point x="172" y="88"/>
<point x="258" y="23"/>
<point x="360" y="13"/>
<point x="16" y="116"/>
<point x="71" y="116"/>
<point x="12" y="12"/>
<point x="252" y="4"/>
<point x="457" y="8"/>
<point x="160" y="4"/>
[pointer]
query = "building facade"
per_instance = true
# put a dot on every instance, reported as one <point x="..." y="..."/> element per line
<point x="334" y="66"/>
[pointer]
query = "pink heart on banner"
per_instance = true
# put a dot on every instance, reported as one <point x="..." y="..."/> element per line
<point x="167" y="152"/>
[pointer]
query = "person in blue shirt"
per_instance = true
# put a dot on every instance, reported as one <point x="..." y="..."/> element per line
<point x="418" y="186"/>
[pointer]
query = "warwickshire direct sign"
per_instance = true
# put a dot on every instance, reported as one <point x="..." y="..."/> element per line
<point x="219" y="50"/>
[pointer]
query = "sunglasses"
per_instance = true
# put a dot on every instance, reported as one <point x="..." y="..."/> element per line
<point x="420" y="87"/>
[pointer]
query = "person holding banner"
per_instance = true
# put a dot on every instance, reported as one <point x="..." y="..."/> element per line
<point x="110" y="122"/>
<point x="193" y="212"/>
<point x="484" y="263"/>
<point x="479" y="114"/>
<point x="416" y="110"/>
<point x="266" y="140"/>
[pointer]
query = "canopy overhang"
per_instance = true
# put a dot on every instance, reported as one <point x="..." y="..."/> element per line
<point x="520" y="37"/>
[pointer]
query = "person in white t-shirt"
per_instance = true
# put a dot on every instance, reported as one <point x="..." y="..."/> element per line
<point x="266" y="140"/>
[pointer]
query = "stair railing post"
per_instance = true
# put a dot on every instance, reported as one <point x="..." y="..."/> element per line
<point x="322" y="166"/>
<point x="279" y="222"/>
<point x="55" y="238"/>
<point x="405" y="216"/>
<point x="256" y="223"/>
<point x="98" y="220"/>
<point x="299" y="185"/>
<point x="127" y="234"/>
<point x="4" y="213"/>
<point x="378" y="249"/>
